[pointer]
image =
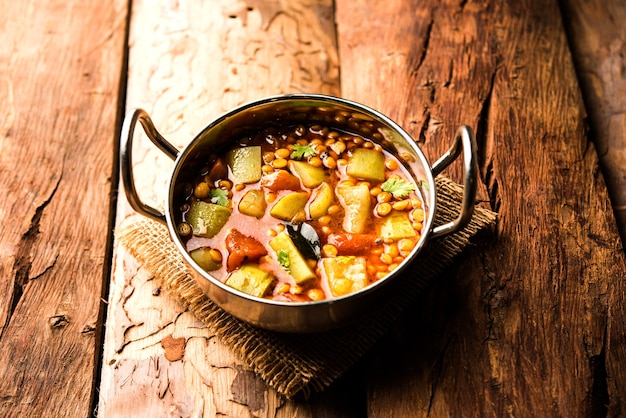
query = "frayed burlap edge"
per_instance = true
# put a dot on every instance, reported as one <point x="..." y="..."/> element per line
<point x="299" y="364"/>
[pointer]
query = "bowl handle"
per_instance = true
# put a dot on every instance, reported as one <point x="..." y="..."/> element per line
<point x="465" y="142"/>
<point x="126" y="151"/>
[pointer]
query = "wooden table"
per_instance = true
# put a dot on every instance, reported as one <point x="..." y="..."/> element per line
<point x="529" y="322"/>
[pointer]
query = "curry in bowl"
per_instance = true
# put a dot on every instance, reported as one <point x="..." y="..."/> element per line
<point x="304" y="212"/>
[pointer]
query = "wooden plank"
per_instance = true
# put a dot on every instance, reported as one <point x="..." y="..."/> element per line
<point x="60" y="68"/>
<point x="597" y="38"/>
<point x="200" y="60"/>
<point x="531" y="323"/>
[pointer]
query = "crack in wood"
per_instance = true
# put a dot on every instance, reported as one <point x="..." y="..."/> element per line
<point x="129" y="377"/>
<point x="23" y="257"/>
<point x="448" y="81"/>
<point x="199" y="374"/>
<point x="482" y="139"/>
<point x="88" y="329"/>
<point x="437" y="371"/>
<point x="424" y="127"/>
<point x="125" y="342"/>
<point x="492" y="299"/>
<point x="599" y="397"/>
<point x="152" y="335"/>
<point x="425" y="43"/>
<point x="489" y="297"/>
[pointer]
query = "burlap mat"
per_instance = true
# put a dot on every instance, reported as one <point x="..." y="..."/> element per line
<point x="299" y="364"/>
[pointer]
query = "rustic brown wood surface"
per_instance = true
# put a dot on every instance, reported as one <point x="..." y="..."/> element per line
<point x="529" y="322"/>
<point x="60" y="70"/>
<point x="533" y="323"/>
<point x="597" y="37"/>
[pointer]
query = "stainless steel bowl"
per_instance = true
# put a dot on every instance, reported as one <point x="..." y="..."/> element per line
<point x="286" y="109"/>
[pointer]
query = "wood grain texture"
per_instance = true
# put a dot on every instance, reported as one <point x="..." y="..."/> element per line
<point x="598" y="41"/>
<point x="200" y="60"/>
<point x="60" y="68"/>
<point x="530" y="324"/>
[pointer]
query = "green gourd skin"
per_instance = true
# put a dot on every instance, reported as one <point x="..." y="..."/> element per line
<point x="207" y="219"/>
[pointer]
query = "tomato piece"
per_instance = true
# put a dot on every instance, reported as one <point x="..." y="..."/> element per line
<point x="242" y="248"/>
<point x="280" y="180"/>
<point x="352" y="244"/>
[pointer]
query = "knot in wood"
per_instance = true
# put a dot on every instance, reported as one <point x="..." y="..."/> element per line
<point x="58" y="321"/>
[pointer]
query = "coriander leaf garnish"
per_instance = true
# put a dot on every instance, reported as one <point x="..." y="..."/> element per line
<point x="302" y="151"/>
<point x="219" y="197"/>
<point x="399" y="188"/>
<point x="283" y="259"/>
